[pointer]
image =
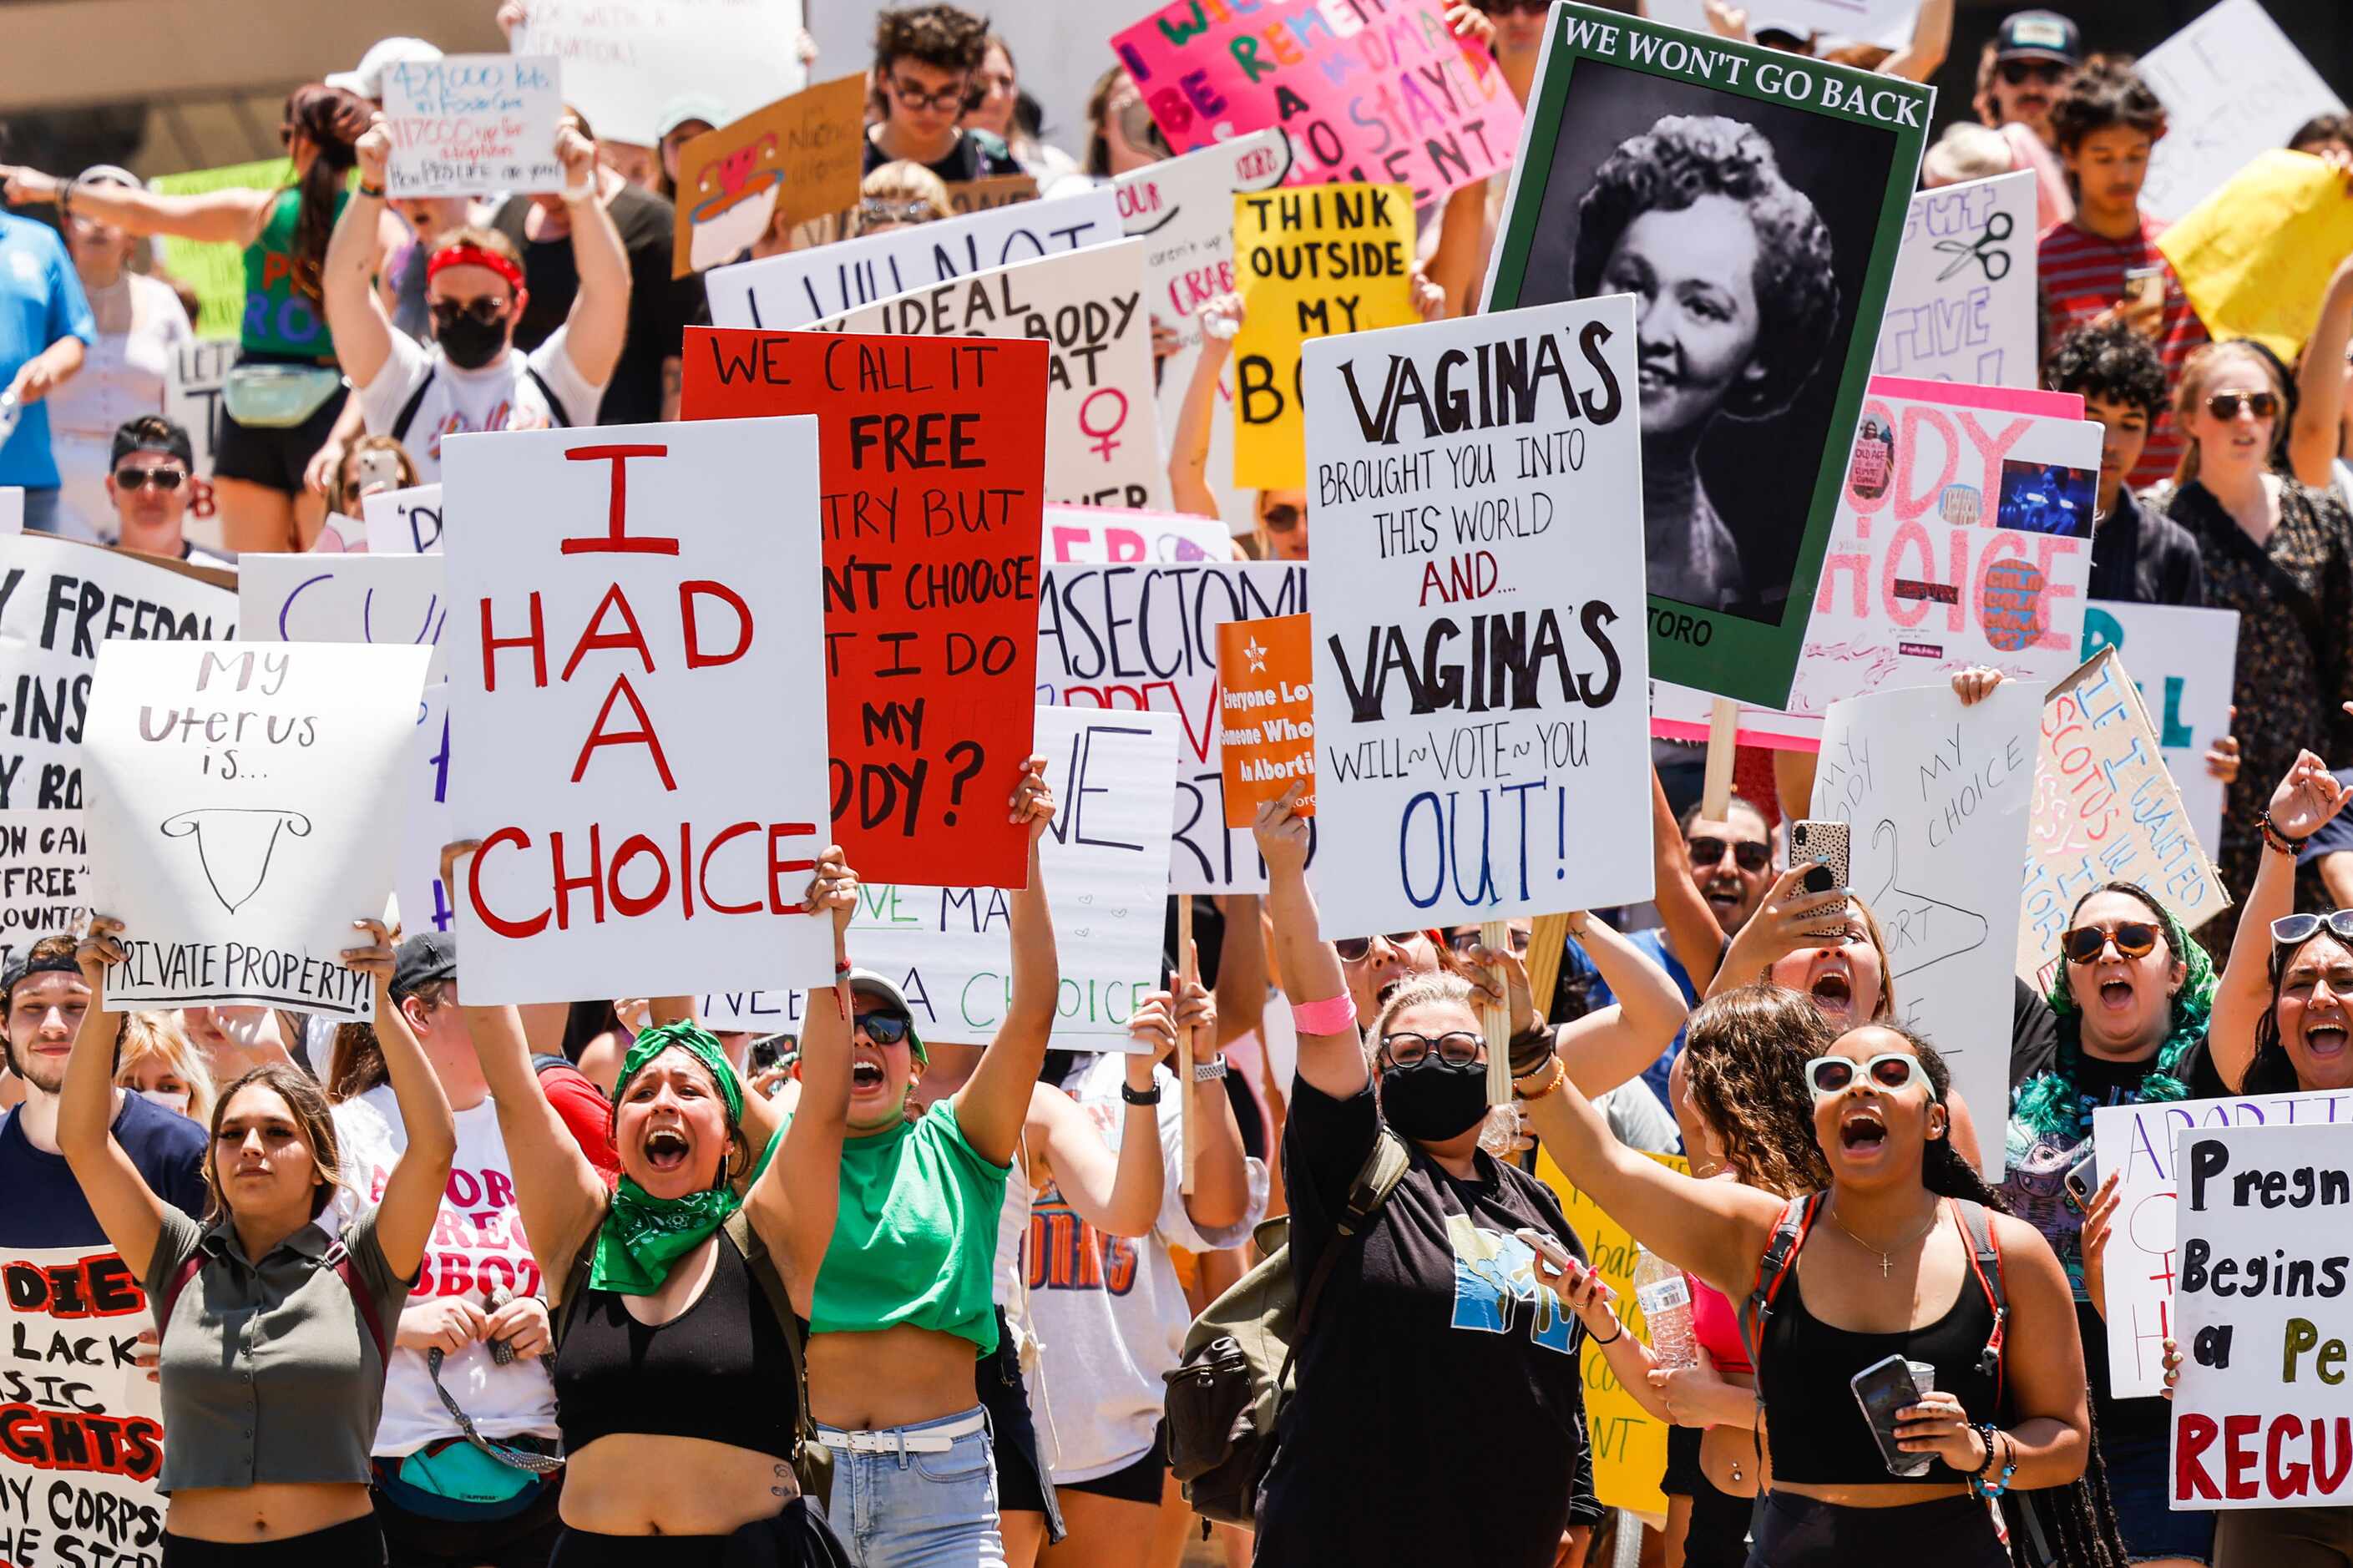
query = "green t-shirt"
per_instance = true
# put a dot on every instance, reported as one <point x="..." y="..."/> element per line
<point x="279" y="317"/>
<point x="915" y="1236"/>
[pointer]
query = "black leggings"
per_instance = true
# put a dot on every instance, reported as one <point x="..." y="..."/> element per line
<point x="1795" y="1532"/>
<point x="356" y="1543"/>
<point x="796" y="1538"/>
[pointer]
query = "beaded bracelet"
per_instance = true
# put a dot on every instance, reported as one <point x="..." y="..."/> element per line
<point x="2276" y="840"/>
<point x="1978" y="1485"/>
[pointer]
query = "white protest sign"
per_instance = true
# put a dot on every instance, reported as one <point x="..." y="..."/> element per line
<point x="2263" y="1410"/>
<point x="1886" y="23"/>
<point x="59" y="601"/>
<point x="1936" y="797"/>
<point x="2232" y="85"/>
<point x="625" y="64"/>
<point x="1130" y="639"/>
<point x="637" y="696"/>
<point x="239" y="796"/>
<point x="2182" y="659"/>
<point x="1962" y="305"/>
<point x="2139" y="1144"/>
<point x="1482" y="666"/>
<point x="192" y="398"/>
<point x="465" y="125"/>
<point x="12" y="509"/>
<point x="396" y="599"/>
<point x="44" y="870"/>
<point x="403" y="522"/>
<point x="424" y="903"/>
<point x="803" y="287"/>
<point x="1100" y="536"/>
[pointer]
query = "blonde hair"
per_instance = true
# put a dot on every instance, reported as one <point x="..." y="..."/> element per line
<point x="1500" y="1128"/>
<point x="2199" y="372"/>
<point x="340" y="498"/>
<point x="157" y="1037"/>
<point x="1885" y="1012"/>
<point x="899" y="182"/>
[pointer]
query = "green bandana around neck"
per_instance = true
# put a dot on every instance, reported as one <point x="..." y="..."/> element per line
<point x="644" y="1235"/>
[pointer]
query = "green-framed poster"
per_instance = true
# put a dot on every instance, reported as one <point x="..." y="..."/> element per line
<point x="1752" y="202"/>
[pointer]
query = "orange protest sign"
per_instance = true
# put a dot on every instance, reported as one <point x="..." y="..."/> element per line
<point x="1266" y="713"/>
<point x="798" y="159"/>
<point x="996" y="191"/>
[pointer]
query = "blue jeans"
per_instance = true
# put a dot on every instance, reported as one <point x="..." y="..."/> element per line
<point x="41" y="510"/>
<point x="918" y="1511"/>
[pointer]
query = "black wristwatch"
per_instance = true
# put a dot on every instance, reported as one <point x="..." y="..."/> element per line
<point x="1136" y="1096"/>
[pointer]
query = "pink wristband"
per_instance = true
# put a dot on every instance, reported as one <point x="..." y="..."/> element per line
<point x="1334" y="1016"/>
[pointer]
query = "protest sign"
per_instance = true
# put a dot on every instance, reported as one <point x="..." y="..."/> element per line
<point x="239" y="796"/>
<point x="796" y="160"/>
<point x="217" y="270"/>
<point x="996" y="191"/>
<point x="1312" y="263"/>
<point x="2262" y="1412"/>
<point x="59" y="601"/>
<point x="2255" y="257"/>
<point x="44" y="867"/>
<point x="625" y="64"/>
<point x="783" y="292"/>
<point x="1472" y="742"/>
<point x="1103" y="444"/>
<point x="1266" y="718"/>
<point x="638" y="697"/>
<point x="2233" y="88"/>
<point x="1963" y="305"/>
<point x="1741" y="467"/>
<point x="2105" y="811"/>
<point x="2183" y="661"/>
<point x="1132" y="638"/>
<point x="360" y="598"/>
<point x="424" y="903"/>
<point x="465" y="125"/>
<point x="192" y="401"/>
<point x="12" y="509"/>
<point x="403" y="522"/>
<point x="1936" y="797"/>
<point x="1102" y="535"/>
<point x="930" y="514"/>
<point x="1378" y="96"/>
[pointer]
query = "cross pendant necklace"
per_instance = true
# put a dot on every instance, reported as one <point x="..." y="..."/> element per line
<point x="1886" y="1261"/>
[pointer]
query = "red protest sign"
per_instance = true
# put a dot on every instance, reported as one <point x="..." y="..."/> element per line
<point x="933" y="479"/>
<point x="1266" y="713"/>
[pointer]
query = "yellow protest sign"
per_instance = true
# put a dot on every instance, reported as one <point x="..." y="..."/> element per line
<point x="217" y="272"/>
<point x="1630" y="1444"/>
<point x="1311" y="261"/>
<point x="2255" y="257"/>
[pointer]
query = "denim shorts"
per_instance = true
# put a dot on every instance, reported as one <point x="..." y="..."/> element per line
<point x="904" y="1510"/>
<point x="2138" y="1473"/>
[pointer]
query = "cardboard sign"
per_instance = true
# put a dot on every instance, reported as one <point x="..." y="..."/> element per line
<point x="399" y="600"/>
<point x="1313" y="264"/>
<point x="1386" y="96"/>
<point x="2184" y="661"/>
<point x="2105" y="811"/>
<point x="624" y="64"/>
<point x="1963" y="305"/>
<point x="403" y="522"/>
<point x="216" y="271"/>
<point x="998" y="190"/>
<point x="1103" y="444"/>
<point x="1479" y="672"/>
<point x="2262" y="1407"/>
<point x="930" y="516"/>
<point x="425" y="902"/>
<point x="239" y="794"/>
<point x="44" y="873"/>
<point x="2255" y="257"/>
<point x="58" y="602"/>
<point x="192" y="400"/>
<point x="466" y="125"/>
<point x="1132" y="638"/>
<point x="1741" y="465"/>
<point x="1266" y="721"/>
<point x="637" y="697"/>
<point x="1102" y="535"/>
<point x="1936" y="798"/>
<point x="2233" y="88"/>
<point x="783" y="292"/>
<point x="795" y="160"/>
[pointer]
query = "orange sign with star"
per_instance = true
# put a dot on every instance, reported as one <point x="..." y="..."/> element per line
<point x="1266" y="713"/>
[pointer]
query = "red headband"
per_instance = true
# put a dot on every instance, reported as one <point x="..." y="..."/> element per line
<point x="474" y="256"/>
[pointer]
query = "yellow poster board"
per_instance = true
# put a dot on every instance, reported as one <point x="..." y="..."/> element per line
<point x="217" y="272"/>
<point x="1311" y="261"/>
<point x="2255" y="257"/>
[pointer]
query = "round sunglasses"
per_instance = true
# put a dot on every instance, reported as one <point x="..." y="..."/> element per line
<point x="2134" y="939"/>
<point x="1829" y="1077"/>
<point x="2225" y="405"/>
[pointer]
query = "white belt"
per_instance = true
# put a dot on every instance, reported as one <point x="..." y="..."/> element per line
<point x="904" y="1441"/>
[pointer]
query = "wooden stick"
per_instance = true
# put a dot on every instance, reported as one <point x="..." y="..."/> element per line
<point x="1723" y="738"/>
<point x="1187" y="968"/>
<point x="1493" y="936"/>
<point x="1546" y="946"/>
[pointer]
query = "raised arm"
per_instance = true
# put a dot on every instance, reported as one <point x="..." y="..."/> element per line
<point x="1692" y="935"/>
<point x="1118" y="1194"/>
<point x="127" y="1209"/>
<point x="1220" y="1197"/>
<point x="2305" y="801"/>
<point x="1241" y="970"/>
<point x="995" y="1101"/>
<point x="356" y="316"/>
<point x="1333" y="1060"/>
<point x="231" y="216"/>
<point x="1189" y="449"/>
<point x="2313" y="441"/>
<point x="411" y="1204"/>
<point x="599" y="320"/>
<point x="1931" y="40"/>
<point x="1778" y="928"/>
<point x="1613" y="1044"/>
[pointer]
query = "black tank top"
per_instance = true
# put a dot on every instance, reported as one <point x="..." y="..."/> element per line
<point x="1817" y="1429"/>
<point x="721" y="1370"/>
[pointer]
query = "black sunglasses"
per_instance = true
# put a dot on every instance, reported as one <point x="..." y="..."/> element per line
<point x="1747" y="853"/>
<point x="164" y="480"/>
<point x="482" y="309"/>
<point x="884" y="1028"/>
<point x="2018" y="73"/>
<point x="2134" y="939"/>
<point x="1280" y="518"/>
<point x="2225" y="405"/>
<point x="1353" y="949"/>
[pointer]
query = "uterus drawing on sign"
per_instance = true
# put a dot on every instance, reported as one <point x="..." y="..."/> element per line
<point x="1921" y="930"/>
<point x="236" y="845"/>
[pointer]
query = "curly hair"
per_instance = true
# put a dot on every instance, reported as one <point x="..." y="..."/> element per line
<point x="1744" y="1055"/>
<point x="1672" y="165"/>
<point x="332" y="121"/>
<point x="2107" y="93"/>
<point x="2113" y="363"/>
<point x="944" y="37"/>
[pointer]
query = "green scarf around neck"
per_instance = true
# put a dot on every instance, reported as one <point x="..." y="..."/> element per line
<point x="644" y="1235"/>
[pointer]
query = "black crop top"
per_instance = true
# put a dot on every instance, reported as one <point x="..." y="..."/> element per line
<point x="1816" y="1427"/>
<point x="721" y="1370"/>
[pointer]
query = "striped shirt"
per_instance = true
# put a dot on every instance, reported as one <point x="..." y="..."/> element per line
<point x="2083" y="274"/>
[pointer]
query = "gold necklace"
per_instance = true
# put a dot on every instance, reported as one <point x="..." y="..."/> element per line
<point x="1885" y="1261"/>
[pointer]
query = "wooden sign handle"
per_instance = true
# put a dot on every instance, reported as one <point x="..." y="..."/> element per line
<point x="1723" y="738"/>
<point x="1493" y="936"/>
<point x="1188" y="970"/>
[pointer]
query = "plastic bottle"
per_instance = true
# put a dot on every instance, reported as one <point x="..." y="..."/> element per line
<point x="1664" y="1297"/>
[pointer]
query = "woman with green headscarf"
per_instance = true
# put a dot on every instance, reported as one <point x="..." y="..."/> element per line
<point x="678" y="1382"/>
<point x="2132" y="996"/>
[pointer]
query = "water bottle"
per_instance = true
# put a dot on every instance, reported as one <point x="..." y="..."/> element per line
<point x="1665" y="1298"/>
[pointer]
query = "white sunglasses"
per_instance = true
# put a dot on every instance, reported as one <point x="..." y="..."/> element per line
<point x="1829" y="1077"/>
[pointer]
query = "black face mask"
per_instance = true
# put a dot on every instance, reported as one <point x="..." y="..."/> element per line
<point x="1431" y="1102"/>
<point x="469" y="343"/>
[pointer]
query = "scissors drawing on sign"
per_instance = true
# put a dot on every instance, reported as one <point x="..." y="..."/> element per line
<point x="1987" y="250"/>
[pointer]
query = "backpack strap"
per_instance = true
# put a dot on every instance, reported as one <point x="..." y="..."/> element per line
<point x="739" y="1230"/>
<point x="338" y="1258"/>
<point x="1773" y="1269"/>
<point x="407" y="414"/>
<point x="548" y="1061"/>
<point x="1985" y="1262"/>
<point x="187" y="1270"/>
<point x="554" y="403"/>
<point x="1383" y="1169"/>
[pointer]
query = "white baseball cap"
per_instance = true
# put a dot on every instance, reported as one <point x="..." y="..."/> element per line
<point x="367" y="80"/>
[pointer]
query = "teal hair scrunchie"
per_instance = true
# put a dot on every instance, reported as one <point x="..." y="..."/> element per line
<point x="644" y="1235"/>
<point x="2048" y="1102"/>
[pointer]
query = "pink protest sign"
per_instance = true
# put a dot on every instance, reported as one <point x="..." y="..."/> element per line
<point x="1392" y="100"/>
